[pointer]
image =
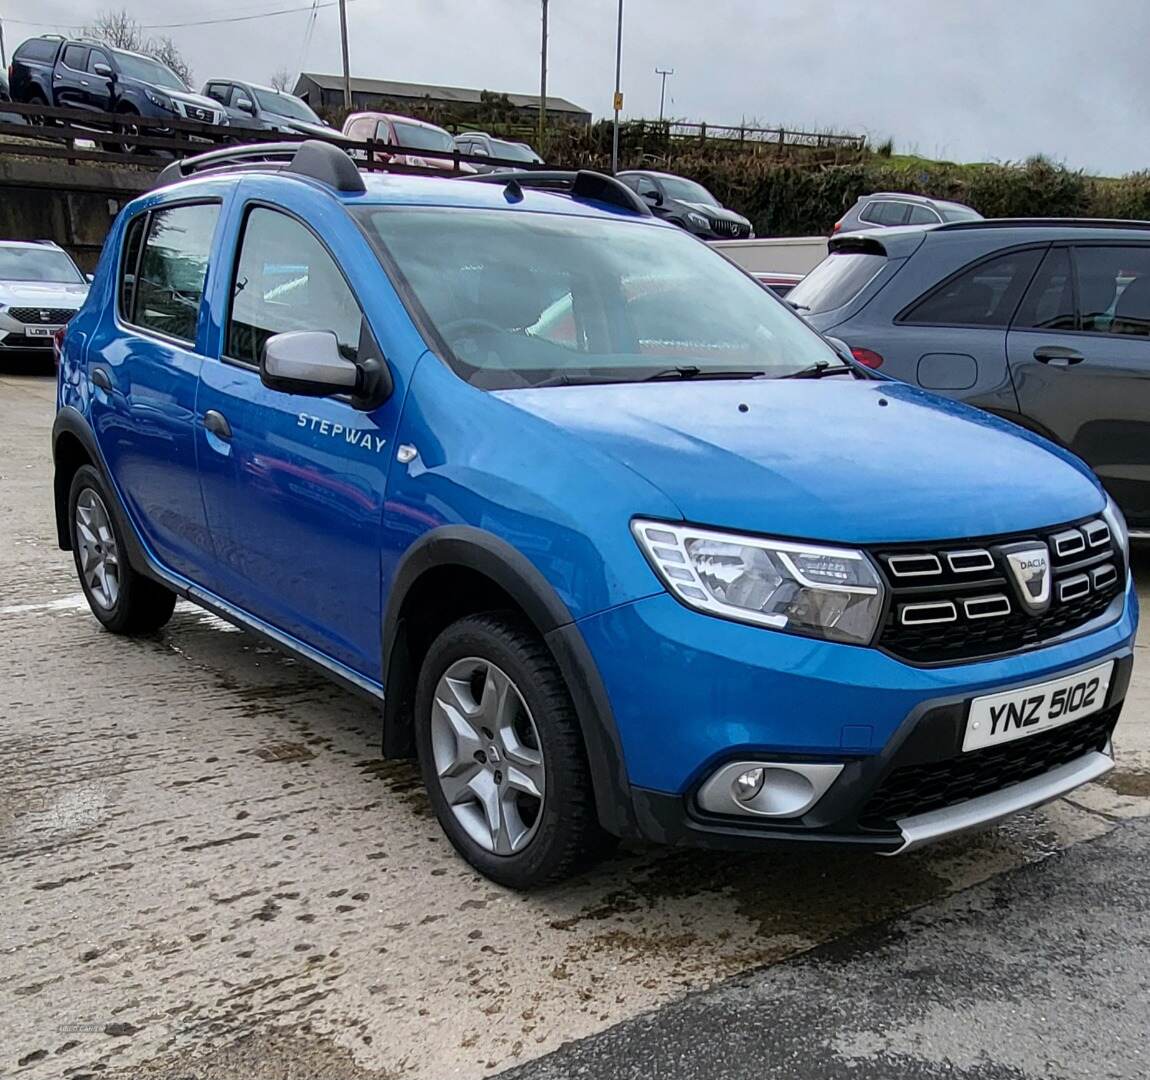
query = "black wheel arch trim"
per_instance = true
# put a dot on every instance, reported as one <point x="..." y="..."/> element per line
<point x="475" y="549"/>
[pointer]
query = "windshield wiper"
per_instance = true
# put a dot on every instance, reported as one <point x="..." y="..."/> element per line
<point x="693" y="371"/>
<point x="795" y="305"/>
<point x="818" y="369"/>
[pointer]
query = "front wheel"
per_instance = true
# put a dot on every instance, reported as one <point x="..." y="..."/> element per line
<point x="123" y="600"/>
<point x="502" y="754"/>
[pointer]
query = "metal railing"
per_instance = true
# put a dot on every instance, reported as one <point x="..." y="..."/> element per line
<point x="150" y="142"/>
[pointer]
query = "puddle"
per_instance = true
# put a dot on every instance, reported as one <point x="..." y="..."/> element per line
<point x="1128" y="782"/>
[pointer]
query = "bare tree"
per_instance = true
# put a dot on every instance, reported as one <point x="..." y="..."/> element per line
<point x="118" y="29"/>
<point x="282" y="80"/>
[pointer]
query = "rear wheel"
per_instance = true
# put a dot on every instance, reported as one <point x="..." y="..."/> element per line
<point x="502" y="754"/>
<point x="123" y="600"/>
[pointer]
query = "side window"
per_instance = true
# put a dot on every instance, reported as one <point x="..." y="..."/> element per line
<point x="922" y="215"/>
<point x="172" y="269"/>
<point x="76" y="57"/>
<point x="285" y="280"/>
<point x="360" y="130"/>
<point x="219" y="92"/>
<point x="1049" y="302"/>
<point x="40" y="49"/>
<point x="885" y="212"/>
<point x="982" y="295"/>
<point x="1114" y="289"/>
<point x="645" y="186"/>
<point x="129" y="266"/>
<point x="383" y="132"/>
<point x="97" y="57"/>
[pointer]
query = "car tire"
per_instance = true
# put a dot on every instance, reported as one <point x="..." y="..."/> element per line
<point x="123" y="600"/>
<point x="494" y="720"/>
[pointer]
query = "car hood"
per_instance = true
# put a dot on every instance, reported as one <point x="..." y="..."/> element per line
<point x="825" y="459"/>
<point x="42" y="294"/>
<point x="719" y="213"/>
<point x="304" y="127"/>
<point x="189" y="98"/>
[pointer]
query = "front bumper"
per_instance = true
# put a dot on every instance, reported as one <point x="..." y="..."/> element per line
<point x="708" y="692"/>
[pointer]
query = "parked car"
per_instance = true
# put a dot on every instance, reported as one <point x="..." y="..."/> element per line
<point x="248" y="105"/>
<point x="41" y="288"/>
<point x="688" y="205"/>
<point x="1046" y="323"/>
<point x="5" y="95"/>
<point x="327" y="407"/>
<point x="480" y="144"/>
<point x="435" y="146"/>
<point x="97" y="78"/>
<point x="885" y="209"/>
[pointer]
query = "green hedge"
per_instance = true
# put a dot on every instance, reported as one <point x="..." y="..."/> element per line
<point x="796" y="192"/>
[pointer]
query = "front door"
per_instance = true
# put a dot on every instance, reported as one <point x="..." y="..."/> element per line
<point x="145" y="369"/>
<point x="293" y="486"/>
<point x="1079" y="353"/>
<point x="99" y="93"/>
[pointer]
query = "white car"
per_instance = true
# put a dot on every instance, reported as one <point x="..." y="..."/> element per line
<point x="41" y="288"/>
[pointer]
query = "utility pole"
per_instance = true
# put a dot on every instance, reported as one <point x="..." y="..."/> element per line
<point x="3" y="57"/>
<point x="346" y="66"/>
<point x="618" y="92"/>
<point x="543" y="77"/>
<point x="663" y="88"/>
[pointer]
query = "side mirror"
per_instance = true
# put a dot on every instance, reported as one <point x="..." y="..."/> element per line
<point x="307" y="362"/>
<point x="103" y="70"/>
<point x="655" y="198"/>
<point x="246" y="105"/>
<point x="89" y="278"/>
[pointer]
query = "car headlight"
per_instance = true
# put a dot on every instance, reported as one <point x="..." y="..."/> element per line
<point x="160" y="101"/>
<point x="698" y="220"/>
<point x="1117" y="522"/>
<point x="826" y="592"/>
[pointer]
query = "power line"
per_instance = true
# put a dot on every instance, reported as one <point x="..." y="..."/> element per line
<point x="194" y="22"/>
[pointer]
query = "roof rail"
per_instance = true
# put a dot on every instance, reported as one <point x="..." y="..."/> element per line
<point x="584" y="184"/>
<point x="1041" y="223"/>
<point x="312" y="158"/>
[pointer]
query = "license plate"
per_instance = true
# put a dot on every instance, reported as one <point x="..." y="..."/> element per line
<point x="42" y="331"/>
<point x="1015" y="714"/>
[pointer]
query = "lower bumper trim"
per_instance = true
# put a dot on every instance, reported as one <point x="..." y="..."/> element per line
<point x="987" y="809"/>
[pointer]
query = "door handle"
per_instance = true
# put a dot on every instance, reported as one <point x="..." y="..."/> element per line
<point x="217" y="424"/>
<point x="1057" y="355"/>
<point x="102" y="379"/>
<point x="83" y="82"/>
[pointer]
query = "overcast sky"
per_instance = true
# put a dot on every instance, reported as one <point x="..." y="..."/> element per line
<point x="976" y="80"/>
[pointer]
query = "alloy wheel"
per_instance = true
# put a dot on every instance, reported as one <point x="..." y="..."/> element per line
<point x="96" y="543"/>
<point x="488" y="757"/>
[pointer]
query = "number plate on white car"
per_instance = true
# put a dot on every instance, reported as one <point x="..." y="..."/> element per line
<point x="1002" y="718"/>
<point x="42" y="331"/>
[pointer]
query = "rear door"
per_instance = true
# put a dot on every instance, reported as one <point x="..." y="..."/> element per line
<point x="144" y="363"/>
<point x="70" y="80"/>
<point x="1079" y="353"/>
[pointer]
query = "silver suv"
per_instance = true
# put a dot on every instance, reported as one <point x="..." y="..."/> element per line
<point x="886" y="208"/>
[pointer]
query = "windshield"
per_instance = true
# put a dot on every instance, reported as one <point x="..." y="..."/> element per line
<point x="836" y="281"/>
<point x="423" y="138"/>
<point x="676" y="187"/>
<point x="37" y="264"/>
<point x="513" y="151"/>
<point x="285" y="105"/>
<point x="524" y="299"/>
<point x="148" y="70"/>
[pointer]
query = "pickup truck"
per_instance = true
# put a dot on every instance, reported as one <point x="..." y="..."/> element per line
<point x="55" y="71"/>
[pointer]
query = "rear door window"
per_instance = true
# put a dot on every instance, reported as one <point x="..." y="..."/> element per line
<point x="885" y="212"/>
<point x="1049" y="302"/>
<point x="985" y="294"/>
<point x="922" y="215"/>
<point x="173" y="267"/>
<point x="1114" y="289"/>
<point x="836" y="281"/>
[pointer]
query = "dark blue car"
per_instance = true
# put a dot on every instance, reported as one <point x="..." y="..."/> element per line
<point x="620" y="545"/>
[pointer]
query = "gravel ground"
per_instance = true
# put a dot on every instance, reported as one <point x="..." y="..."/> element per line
<point x="208" y="871"/>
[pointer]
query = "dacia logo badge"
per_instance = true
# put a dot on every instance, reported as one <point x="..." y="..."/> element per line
<point x="1030" y="566"/>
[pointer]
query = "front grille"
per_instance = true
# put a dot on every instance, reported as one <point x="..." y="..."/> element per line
<point x="42" y="316"/>
<point x="193" y="112"/>
<point x="728" y="228"/>
<point x="916" y="789"/>
<point x="961" y="601"/>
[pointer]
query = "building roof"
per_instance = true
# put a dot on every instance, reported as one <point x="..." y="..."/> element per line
<point x="387" y="88"/>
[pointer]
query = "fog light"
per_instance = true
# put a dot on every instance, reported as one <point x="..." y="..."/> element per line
<point x="747" y="785"/>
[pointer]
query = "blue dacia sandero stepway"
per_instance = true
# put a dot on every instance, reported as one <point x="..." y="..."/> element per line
<point x="621" y="545"/>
